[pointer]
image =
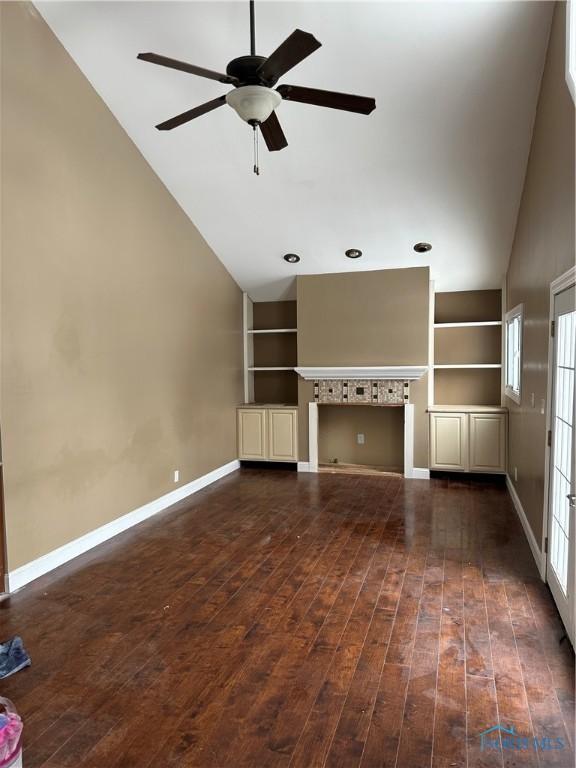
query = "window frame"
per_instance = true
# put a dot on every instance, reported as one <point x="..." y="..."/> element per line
<point x="516" y="313"/>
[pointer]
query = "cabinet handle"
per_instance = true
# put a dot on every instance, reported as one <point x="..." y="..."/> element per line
<point x="571" y="499"/>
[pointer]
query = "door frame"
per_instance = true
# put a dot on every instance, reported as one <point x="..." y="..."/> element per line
<point x="561" y="283"/>
<point x="4" y="587"/>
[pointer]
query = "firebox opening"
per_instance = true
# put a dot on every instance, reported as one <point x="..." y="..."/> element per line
<point x="361" y="438"/>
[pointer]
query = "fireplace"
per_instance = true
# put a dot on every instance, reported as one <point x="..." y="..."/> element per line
<point x="373" y="387"/>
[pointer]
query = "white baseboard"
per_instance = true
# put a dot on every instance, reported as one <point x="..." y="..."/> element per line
<point x="303" y="466"/>
<point x="536" y="553"/>
<point x="36" y="568"/>
<point x="418" y="474"/>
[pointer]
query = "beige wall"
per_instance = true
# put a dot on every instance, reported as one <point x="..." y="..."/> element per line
<point x="543" y="249"/>
<point x="365" y="318"/>
<point x="121" y="331"/>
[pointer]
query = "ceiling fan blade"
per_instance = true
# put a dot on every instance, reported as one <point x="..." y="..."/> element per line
<point x="292" y="51"/>
<point x="273" y="133"/>
<point x="331" y="99"/>
<point x="185" y="117"/>
<point x="164" y="61"/>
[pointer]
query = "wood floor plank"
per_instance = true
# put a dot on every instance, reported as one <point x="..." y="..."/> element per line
<point x="265" y="734"/>
<point x="545" y="712"/>
<point x="450" y="732"/>
<point x="285" y="620"/>
<point x="381" y="746"/>
<point x="197" y="728"/>
<point x="406" y="620"/>
<point x="557" y="651"/>
<point x="478" y="652"/>
<point x="354" y="720"/>
<point x="510" y="691"/>
<point x="482" y="714"/>
<point x="417" y="734"/>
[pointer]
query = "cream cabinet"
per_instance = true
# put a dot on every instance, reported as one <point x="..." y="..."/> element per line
<point x="283" y="434"/>
<point x="448" y="441"/>
<point x="268" y="433"/>
<point x="468" y="440"/>
<point x="487" y="437"/>
<point x="252" y="434"/>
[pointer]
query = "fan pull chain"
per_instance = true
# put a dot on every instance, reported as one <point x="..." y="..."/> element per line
<point x="256" y="161"/>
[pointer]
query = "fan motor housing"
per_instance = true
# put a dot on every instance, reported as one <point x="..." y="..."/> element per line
<point x="245" y="68"/>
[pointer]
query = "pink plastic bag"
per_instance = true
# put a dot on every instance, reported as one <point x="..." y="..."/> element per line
<point x="10" y="734"/>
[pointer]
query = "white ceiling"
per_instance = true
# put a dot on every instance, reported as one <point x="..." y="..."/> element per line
<point x="442" y="158"/>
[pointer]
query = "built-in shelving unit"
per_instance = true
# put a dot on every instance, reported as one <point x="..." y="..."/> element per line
<point x="270" y="352"/>
<point x="468" y="348"/>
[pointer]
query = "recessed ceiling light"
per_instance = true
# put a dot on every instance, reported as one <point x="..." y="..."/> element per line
<point x="353" y="253"/>
<point x="292" y="258"/>
<point x="422" y="247"/>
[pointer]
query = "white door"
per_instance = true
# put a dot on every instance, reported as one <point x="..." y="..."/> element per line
<point x="561" y="506"/>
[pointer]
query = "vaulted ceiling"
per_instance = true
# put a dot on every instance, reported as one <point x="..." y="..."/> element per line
<point x="442" y="159"/>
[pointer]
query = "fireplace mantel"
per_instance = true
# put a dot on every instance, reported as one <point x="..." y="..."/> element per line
<point x="374" y="373"/>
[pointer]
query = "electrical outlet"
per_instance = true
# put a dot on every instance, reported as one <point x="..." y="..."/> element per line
<point x="176" y="475"/>
<point x="515" y="474"/>
<point x="360" y="439"/>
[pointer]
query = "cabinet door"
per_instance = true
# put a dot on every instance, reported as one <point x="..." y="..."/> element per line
<point x="252" y="434"/>
<point x="487" y="442"/>
<point x="449" y="441"/>
<point x="283" y="434"/>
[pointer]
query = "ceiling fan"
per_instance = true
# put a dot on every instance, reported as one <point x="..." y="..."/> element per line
<point x="254" y="77"/>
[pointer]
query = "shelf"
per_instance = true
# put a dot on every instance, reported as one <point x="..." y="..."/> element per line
<point x="272" y="368"/>
<point x="467" y="386"/>
<point x="479" y="324"/>
<point x="274" y="330"/>
<point x="468" y="306"/>
<point x="467" y="409"/>
<point x="473" y="365"/>
<point x="256" y="404"/>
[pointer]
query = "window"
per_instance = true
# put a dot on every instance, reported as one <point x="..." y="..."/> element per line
<point x="513" y="371"/>
<point x="571" y="47"/>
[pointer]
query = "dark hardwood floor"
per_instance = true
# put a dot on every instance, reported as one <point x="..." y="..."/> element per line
<point x="301" y="620"/>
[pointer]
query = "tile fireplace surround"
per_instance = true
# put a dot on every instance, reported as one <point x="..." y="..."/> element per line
<point x="377" y="386"/>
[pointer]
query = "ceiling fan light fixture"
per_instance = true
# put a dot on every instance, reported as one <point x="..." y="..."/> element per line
<point x="253" y="103"/>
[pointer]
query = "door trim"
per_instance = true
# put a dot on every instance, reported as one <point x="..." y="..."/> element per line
<point x="3" y="538"/>
<point x="561" y="283"/>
